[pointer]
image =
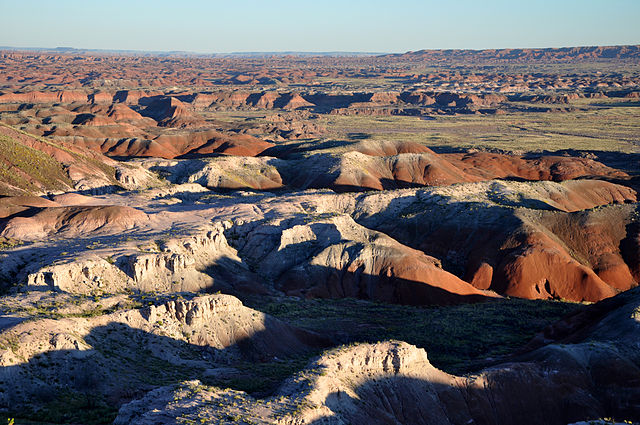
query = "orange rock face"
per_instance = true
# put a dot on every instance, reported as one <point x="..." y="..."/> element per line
<point x="400" y="275"/>
<point x="542" y="269"/>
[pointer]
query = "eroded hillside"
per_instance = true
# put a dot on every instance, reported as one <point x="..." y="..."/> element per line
<point x="320" y="240"/>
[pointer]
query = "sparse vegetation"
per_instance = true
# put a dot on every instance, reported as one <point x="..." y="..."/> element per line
<point x="70" y="407"/>
<point x="455" y="337"/>
<point x="261" y="378"/>
<point x="593" y="129"/>
<point x="26" y="169"/>
<point x="8" y="243"/>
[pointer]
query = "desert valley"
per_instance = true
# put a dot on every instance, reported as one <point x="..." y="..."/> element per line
<point x="434" y="237"/>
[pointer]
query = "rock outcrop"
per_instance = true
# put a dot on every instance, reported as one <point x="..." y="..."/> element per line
<point x="177" y="264"/>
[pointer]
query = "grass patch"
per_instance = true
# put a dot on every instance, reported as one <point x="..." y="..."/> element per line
<point x="591" y="129"/>
<point x="8" y="243"/>
<point x="70" y="407"/>
<point x="262" y="379"/>
<point x="454" y="337"/>
<point x="29" y="169"/>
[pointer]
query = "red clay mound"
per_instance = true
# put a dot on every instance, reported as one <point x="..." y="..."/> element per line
<point x="101" y="97"/>
<point x="267" y="100"/>
<point x="355" y="171"/>
<point x="98" y="131"/>
<point x="557" y="168"/>
<point x="295" y="101"/>
<point x="198" y="143"/>
<point x="542" y="269"/>
<point x="237" y="145"/>
<point x="583" y="256"/>
<point x="233" y="99"/>
<point x="93" y="120"/>
<point x="27" y="201"/>
<point x="12" y="205"/>
<point x="203" y="100"/>
<point x="390" y="148"/>
<point x="72" y="221"/>
<point x="132" y="97"/>
<point x="604" y="240"/>
<point x="39" y="165"/>
<point x="73" y="199"/>
<point x="121" y="112"/>
<point x="212" y="142"/>
<point x="114" y="114"/>
<point x="384" y="98"/>
<point x="528" y="248"/>
<point x="397" y="275"/>
<point x="64" y="96"/>
<point x="585" y="194"/>
<point x="426" y="170"/>
<point x="402" y="164"/>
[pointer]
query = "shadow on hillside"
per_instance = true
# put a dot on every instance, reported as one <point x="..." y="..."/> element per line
<point x="461" y="234"/>
<point x="627" y="104"/>
<point x="629" y="246"/>
<point x="295" y="149"/>
<point x="523" y="394"/>
<point x="292" y="269"/>
<point x="358" y="136"/>
<point x="548" y="390"/>
<point x="313" y="281"/>
<point x="121" y="363"/>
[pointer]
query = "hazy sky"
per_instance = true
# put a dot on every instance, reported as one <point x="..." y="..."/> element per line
<point x="308" y="25"/>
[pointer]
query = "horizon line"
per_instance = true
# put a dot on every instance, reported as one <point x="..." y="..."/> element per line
<point x="66" y="49"/>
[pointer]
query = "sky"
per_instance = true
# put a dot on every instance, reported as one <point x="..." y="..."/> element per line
<point x="316" y="26"/>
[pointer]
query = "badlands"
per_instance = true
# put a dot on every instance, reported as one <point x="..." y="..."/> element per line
<point x="437" y="237"/>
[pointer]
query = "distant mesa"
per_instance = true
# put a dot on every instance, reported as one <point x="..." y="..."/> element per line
<point x="548" y="54"/>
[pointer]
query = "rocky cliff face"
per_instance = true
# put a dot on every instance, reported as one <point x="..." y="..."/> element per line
<point x="176" y="266"/>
